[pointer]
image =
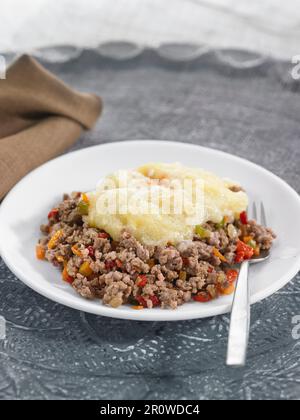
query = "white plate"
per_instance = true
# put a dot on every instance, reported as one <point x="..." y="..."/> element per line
<point x="27" y="206"/>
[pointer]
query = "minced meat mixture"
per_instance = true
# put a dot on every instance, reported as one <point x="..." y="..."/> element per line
<point x="127" y="272"/>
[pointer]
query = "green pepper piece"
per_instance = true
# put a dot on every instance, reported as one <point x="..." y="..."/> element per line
<point x="252" y="244"/>
<point x="222" y="224"/>
<point x="202" y="232"/>
<point x="83" y="208"/>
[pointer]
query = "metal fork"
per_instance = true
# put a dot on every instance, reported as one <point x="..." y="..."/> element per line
<point x="240" y="314"/>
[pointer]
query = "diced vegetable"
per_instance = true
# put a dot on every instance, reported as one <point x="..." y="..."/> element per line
<point x="53" y="214"/>
<point x="76" y="251"/>
<point x="60" y="258"/>
<point x="242" y="247"/>
<point x="202" y="297"/>
<point x="66" y="276"/>
<point x="109" y="265"/>
<point x="252" y="244"/>
<point x="155" y="300"/>
<point x="141" y="301"/>
<point x="55" y="239"/>
<point x="132" y="301"/>
<point x="247" y="239"/>
<point x="142" y="280"/>
<point x="119" y="263"/>
<point x="91" y="251"/>
<point x="239" y="257"/>
<point x="243" y="252"/>
<point x="85" y="269"/>
<point x="218" y="254"/>
<point x="138" y="307"/>
<point x="220" y="225"/>
<point x="183" y="275"/>
<point x="83" y="208"/>
<point x="85" y="198"/>
<point x="257" y="251"/>
<point x="40" y="252"/>
<point x="244" y="218"/>
<point x="250" y="241"/>
<point x="232" y="275"/>
<point x="227" y="290"/>
<point x="223" y="223"/>
<point x="103" y="235"/>
<point x="202" y="232"/>
<point x="212" y="290"/>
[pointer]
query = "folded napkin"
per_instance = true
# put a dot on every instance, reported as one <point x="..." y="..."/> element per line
<point x="40" y="117"/>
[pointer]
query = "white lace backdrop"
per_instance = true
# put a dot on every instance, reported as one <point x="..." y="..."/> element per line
<point x="268" y="26"/>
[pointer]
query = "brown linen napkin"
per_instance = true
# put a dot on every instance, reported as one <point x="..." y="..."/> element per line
<point x="40" y="117"/>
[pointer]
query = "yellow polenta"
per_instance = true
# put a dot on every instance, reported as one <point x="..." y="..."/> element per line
<point x="162" y="203"/>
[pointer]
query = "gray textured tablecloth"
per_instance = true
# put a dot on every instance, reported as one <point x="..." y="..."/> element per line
<point x="228" y="100"/>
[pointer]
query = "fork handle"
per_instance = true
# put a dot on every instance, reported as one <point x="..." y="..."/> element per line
<point x="240" y="320"/>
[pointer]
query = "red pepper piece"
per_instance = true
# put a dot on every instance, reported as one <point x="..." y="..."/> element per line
<point x="239" y="257"/>
<point x="142" y="280"/>
<point x="232" y="275"/>
<point x="103" y="235"/>
<point x="119" y="263"/>
<point x="155" y="300"/>
<point x="91" y="251"/>
<point x="244" y="218"/>
<point x="243" y="252"/>
<point x="109" y="265"/>
<point x="53" y="214"/>
<point x="202" y="297"/>
<point x="142" y="301"/>
<point x="66" y="276"/>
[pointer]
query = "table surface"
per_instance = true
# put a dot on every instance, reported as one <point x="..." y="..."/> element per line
<point x="268" y="26"/>
<point x="235" y="102"/>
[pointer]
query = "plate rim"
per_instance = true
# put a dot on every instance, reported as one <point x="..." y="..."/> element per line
<point x="153" y="314"/>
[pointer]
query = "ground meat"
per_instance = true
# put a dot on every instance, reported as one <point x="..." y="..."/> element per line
<point x="170" y="298"/>
<point x="156" y="271"/>
<point x="170" y="258"/>
<point x="197" y="249"/>
<point x="83" y="287"/>
<point x="118" y="288"/>
<point x="263" y="236"/>
<point x="130" y="243"/>
<point x="219" y="239"/>
<point x="129" y="272"/>
<point x="230" y="253"/>
<point x="103" y="245"/>
<point x="136" y="265"/>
